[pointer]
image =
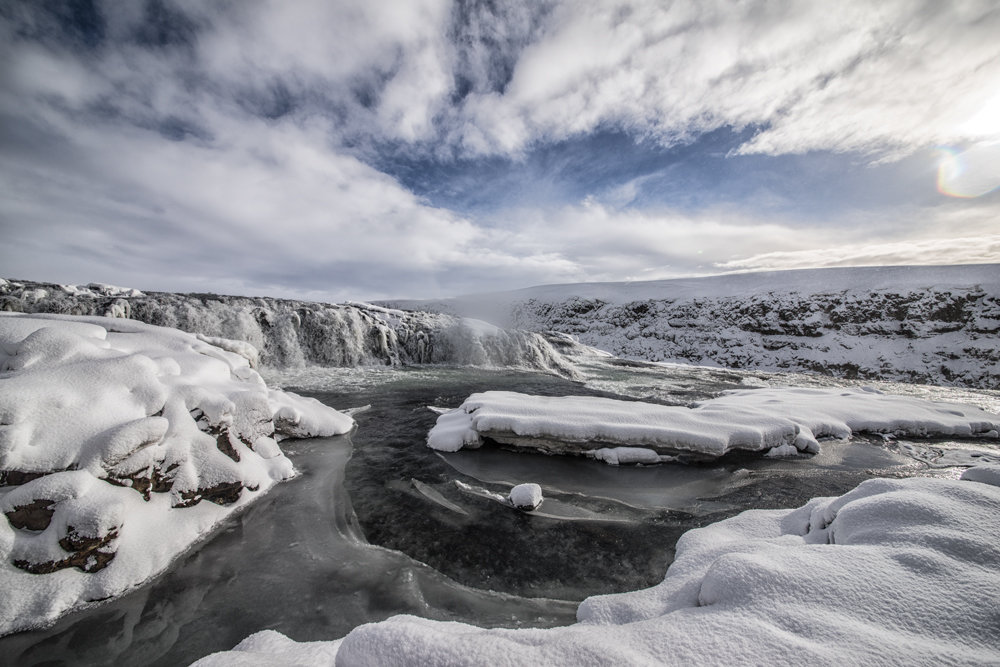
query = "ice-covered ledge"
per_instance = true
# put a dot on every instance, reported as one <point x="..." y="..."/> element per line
<point x="122" y="444"/>
<point x="779" y="421"/>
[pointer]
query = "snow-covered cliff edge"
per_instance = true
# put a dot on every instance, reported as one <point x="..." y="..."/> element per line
<point x="290" y="334"/>
<point x="935" y="325"/>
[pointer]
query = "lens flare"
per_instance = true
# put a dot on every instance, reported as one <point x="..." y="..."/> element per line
<point x="973" y="172"/>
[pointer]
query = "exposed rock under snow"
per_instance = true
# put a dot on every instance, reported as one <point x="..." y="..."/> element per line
<point x="779" y="420"/>
<point x="893" y="572"/>
<point x="113" y="435"/>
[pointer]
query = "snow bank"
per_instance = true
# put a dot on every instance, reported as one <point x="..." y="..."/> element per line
<point x="894" y="572"/>
<point x="778" y="420"/>
<point x="112" y="434"/>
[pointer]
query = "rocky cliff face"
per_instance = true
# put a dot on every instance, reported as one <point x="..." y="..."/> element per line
<point x="289" y="334"/>
<point x="939" y="336"/>
<point x="934" y="324"/>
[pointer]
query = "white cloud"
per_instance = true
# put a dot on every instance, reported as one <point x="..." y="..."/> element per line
<point x="882" y="78"/>
<point x="943" y="251"/>
<point x="242" y="202"/>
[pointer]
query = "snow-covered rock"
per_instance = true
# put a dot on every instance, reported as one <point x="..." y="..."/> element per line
<point x="781" y="420"/>
<point x="113" y="435"/>
<point x="279" y="333"/>
<point x="526" y="497"/>
<point x="931" y="324"/>
<point x="893" y="572"/>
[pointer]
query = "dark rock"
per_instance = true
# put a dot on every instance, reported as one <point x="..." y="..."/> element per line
<point x="87" y="553"/>
<point x="33" y="516"/>
<point x="223" y="493"/>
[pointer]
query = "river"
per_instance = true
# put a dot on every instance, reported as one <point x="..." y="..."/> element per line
<point x="377" y="524"/>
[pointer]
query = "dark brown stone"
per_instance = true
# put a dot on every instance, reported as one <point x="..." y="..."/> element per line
<point x="88" y="554"/>
<point x="224" y="493"/>
<point x="18" y="477"/>
<point x="148" y="480"/>
<point x="225" y="446"/>
<point x="33" y="516"/>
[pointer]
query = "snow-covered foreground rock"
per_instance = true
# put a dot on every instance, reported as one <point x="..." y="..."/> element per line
<point x="931" y="324"/>
<point x="293" y="334"/>
<point x="894" y="572"/>
<point x="781" y="421"/>
<point x="121" y="444"/>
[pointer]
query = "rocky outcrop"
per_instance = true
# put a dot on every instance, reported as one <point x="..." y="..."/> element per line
<point x="941" y="336"/>
<point x="111" y="431"/>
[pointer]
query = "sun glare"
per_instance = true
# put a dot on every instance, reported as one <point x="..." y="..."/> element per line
<point x="973" y="172"/>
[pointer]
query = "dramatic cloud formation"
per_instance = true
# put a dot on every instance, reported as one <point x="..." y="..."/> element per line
<point x="359" y="149"/>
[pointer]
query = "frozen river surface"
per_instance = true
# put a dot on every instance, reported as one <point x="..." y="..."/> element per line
<point x="377" y="524"/>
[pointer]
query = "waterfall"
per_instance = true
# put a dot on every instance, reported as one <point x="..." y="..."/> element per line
<point x="292" y="334"/>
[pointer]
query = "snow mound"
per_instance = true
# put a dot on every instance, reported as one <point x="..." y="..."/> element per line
<point x="112" y="434"/>
<point x="780" y="420"/>
<point x="895" y="571"/>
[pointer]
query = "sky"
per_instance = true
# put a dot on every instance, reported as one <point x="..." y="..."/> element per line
<point x="366" y="149"/>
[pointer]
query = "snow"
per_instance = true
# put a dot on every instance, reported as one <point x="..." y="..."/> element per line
<point x="526" y="496"/>
<point x="895" y="571"/>
<point x="934" y="325"/>
<point x="269" y="647"/>
<point x="781" y="420"/>
<point x="113" y="435"/>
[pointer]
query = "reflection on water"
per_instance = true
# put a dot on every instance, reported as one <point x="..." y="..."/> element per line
<point x="301" y="560"/>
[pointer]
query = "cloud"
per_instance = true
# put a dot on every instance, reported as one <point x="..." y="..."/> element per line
<point x="254" y="205"/>
<point x="939" y="251"/>
<point x="878" y="78"/>
<point x="244" y="147"/>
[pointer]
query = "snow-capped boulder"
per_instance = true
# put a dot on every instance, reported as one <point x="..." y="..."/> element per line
<point x="526" y="497"/>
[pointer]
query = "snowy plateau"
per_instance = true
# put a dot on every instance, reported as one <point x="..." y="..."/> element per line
<point x="134" y="424"/>
<point x="935" y="325"/>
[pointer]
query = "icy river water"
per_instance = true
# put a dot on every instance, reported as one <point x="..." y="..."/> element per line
<point x="377" y="524"/>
